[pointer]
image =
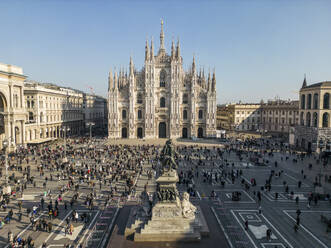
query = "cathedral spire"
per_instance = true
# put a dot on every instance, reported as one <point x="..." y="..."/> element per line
<point x="304" y="84"/>
<point x="110" y="80"/>
<point x="152" y="49"/>
<point x="131" y="67"/>
<point x="178" y="50"/>
<point x="213" y="82"/>
<point x="193" y="65"/>
<point x="172" y="49"/>
<point x="209" y="82"/>
<point x="147" y="56"/>
<point x="115" y="80"/>
<point x="162" y="49"/>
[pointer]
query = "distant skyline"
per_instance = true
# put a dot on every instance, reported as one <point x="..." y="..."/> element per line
<point x="260" y="49"/>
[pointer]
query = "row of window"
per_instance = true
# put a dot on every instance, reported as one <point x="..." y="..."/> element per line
<point x="248" y="112"/>
<point x="140" y="115"/>
<point x="50" y="118"/>
<point x="162" y="99"/>
<point x="313" y="103"/>
<point x="270" y="120"/>
<point x="31" y="104"/>
<point x="265" y="112"/>
<point x="281" y="112"/>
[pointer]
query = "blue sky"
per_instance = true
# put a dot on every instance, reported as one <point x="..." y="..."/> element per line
<point x="260" y="49"/>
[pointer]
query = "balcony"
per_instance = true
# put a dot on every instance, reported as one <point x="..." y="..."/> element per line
<point x="160" y="110"/>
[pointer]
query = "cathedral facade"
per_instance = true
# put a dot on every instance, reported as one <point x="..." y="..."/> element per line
<point x="161" y="100"/>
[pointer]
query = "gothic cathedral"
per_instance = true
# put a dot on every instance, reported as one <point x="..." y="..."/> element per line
<point x="161" y="100"/>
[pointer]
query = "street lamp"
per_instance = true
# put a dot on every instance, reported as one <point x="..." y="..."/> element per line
<point x="90" y="124"/>
<point x="320" y="145"/>
<point x="5" y="145"/>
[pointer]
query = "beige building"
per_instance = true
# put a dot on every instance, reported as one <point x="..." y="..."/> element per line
<point x="50" y="109"/>
<point x="12" y="109"/>
<point x="243" y="117"/>
<point x="222" y="117"/>
<point x="279" y="115"/>
<point x="314" y="129"/>
<point x="94" y="112"/>
<point x="274" y="117"/>
<point x="162" y="100"/>
<point x="32" y="112"/>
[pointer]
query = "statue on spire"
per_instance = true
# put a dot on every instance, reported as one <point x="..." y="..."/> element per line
<point x="147" y="56"/>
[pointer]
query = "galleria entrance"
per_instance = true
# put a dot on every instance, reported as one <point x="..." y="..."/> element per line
<point x="162" y="130"/>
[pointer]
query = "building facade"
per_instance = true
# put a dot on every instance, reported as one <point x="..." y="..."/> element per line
<point x="12" y="106"/>
<point x="242" y="117"/>
<point x="314" y="131"/>
<point x="222" y="117"/>
<point x="161" y="100"/>
<point x="94" y="112"/>
<point x="32" y="112"/>
<point x="51" y="109"/>
<point x="279" y="116"/>
<point x="274" y="117"/>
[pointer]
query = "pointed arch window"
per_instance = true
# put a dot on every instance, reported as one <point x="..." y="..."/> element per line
<point x="163" y="77"/>
<point x="123" y="114"/>
<point x="162" y="102"/>
<point x="140" y="114"/>
<point x="185" y="114"/>
<point x="200" y="114"/>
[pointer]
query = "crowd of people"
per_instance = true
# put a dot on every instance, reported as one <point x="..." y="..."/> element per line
<point x="85" y="163"/>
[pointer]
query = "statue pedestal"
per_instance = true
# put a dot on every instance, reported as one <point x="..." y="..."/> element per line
<point x="167" y="221"/>
<point x="170" y="219"/>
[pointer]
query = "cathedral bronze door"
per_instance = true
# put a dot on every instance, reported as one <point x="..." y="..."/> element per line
<point x="200" y="132"/>
<point x="124" y="133"/>
<point x="140" y="133"/>
<point x="162" y="130"/>
<point x="184" y="134"/>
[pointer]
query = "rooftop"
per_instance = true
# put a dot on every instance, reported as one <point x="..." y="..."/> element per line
<point x="11" y="69"/>
<point x="316" y="85"/>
